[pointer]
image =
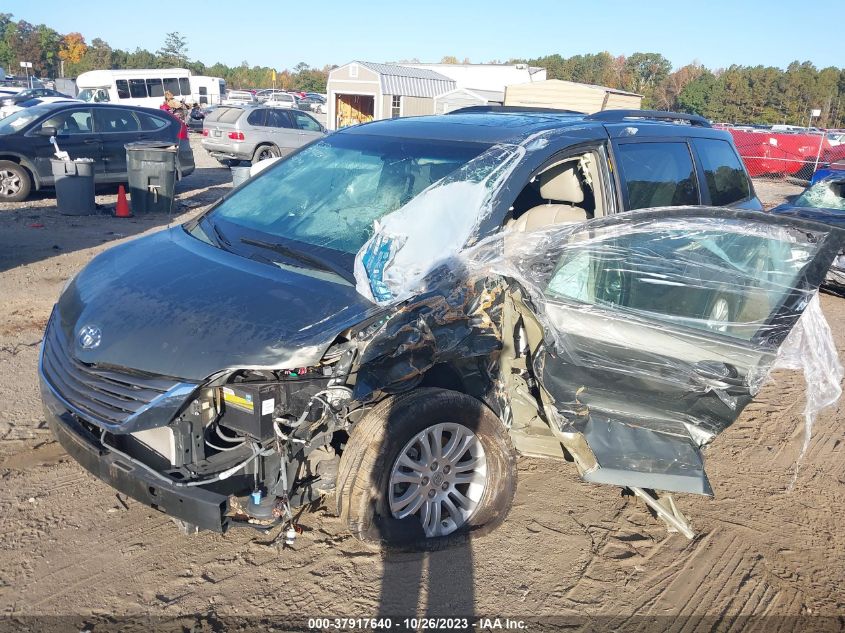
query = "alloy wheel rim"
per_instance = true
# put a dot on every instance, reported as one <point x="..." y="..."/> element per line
<point x="10" y="183"/>
<point x="440" y="476"/>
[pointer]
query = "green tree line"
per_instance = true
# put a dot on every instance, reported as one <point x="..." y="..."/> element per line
<point x="737" y="94"/>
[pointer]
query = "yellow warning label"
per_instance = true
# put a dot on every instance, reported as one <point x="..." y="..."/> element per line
<point x="243" y="402"/>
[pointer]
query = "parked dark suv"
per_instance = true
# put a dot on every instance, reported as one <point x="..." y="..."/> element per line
<point x="381" y="317"/>
<point x="83" y="130"/>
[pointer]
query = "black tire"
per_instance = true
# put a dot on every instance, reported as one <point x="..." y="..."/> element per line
<point x="15" y="182"/>
<point x="229" y="162"/>
<point x="374" y="445"/>
<point x="263" y="152"/>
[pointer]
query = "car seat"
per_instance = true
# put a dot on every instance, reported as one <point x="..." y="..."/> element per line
<point x="563" y="189"/>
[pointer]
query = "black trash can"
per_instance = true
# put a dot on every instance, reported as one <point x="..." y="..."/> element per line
<point x="152" y="175"/>
<point x="74" y="182"/>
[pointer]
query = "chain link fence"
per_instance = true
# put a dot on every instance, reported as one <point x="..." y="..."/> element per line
<point x="782" y="162"/>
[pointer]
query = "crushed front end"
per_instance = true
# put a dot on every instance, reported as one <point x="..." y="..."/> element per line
<point x="242" y="448"/>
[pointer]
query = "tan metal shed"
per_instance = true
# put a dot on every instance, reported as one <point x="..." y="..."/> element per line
<point x="359" y="92"/>
<point x="570" y="95"/>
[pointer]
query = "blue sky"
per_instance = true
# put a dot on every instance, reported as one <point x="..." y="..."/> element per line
<point x="281" y="34"/>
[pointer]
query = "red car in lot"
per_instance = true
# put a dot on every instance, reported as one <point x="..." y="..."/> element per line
<point x="782" y="153"/>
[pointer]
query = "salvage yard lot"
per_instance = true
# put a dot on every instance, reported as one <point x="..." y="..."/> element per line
<point x="71" y="546"/>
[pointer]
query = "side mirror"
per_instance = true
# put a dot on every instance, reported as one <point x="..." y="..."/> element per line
<point x="47" y="130"/>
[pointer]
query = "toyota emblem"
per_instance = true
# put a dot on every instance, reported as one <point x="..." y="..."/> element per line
<point x="90" y="337"/>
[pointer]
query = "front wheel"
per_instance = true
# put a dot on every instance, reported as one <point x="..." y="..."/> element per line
<point x="15" y="183"/>
<point x="426" y="469"/>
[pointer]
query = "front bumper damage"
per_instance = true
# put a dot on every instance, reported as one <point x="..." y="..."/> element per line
<point x="205" y="509"/>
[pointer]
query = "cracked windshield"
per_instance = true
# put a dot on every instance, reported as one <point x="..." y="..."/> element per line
<point x="330" y="194"/>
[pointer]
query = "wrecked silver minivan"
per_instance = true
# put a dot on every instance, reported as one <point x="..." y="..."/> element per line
<point x="379" y="320"/>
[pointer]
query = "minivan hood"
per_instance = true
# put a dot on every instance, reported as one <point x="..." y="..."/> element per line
<point x="172" y="305"/>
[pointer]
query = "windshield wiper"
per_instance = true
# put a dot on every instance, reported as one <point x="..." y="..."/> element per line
<point x="222" y="241"/>
<point x="316" y="261"/>
<point x="219" y="234"/>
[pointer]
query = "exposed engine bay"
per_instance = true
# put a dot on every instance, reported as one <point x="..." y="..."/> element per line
<point x="270" y="439"/>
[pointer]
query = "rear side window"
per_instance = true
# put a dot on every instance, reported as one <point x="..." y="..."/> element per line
<point x="138" y="88"/>
<point x="184" y="86"/>
<point x="115" y="120"/>
<point x="278" y="118"/>
<point x="658" y="174"/>
<point x="150" y="122"/>
<point x="257" y="117"/>
<point x="725" y="176"/>
<point x="122" y="88"/>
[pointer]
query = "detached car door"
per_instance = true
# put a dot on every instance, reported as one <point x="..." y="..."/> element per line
<point x="659" y="328"/>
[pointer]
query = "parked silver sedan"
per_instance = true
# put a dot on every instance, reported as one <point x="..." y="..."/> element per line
<point x="234" y="133"/>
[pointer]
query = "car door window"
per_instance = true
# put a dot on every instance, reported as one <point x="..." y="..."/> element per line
<point x="716" y="276"/>
<point x="279" y="119"/>
<point x="726" y="179"/>
<point x="658" y="174"/>
<point x="257" y="118"/>
<point x="72" y="122"/>
<point x="115" y="120"/>
<point x="305" y="122"/>
<point x="150" y="122"/>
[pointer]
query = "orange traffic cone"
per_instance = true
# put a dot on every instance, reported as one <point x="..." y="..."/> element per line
<point x="122" y="208"/>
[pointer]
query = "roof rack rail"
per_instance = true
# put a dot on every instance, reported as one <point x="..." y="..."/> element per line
<point x="504" y="108"/>
<point x="617" y="116"/>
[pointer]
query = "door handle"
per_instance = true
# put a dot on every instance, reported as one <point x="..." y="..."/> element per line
<point x="90" y="141"/>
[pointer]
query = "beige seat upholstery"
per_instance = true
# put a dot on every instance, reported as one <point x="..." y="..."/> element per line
<point x="563" y="185"/>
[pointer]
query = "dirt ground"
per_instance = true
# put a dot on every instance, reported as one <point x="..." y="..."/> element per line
<point x="71" y="547"/>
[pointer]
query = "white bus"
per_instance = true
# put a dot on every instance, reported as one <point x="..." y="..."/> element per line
<point x="146" y="86"/>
